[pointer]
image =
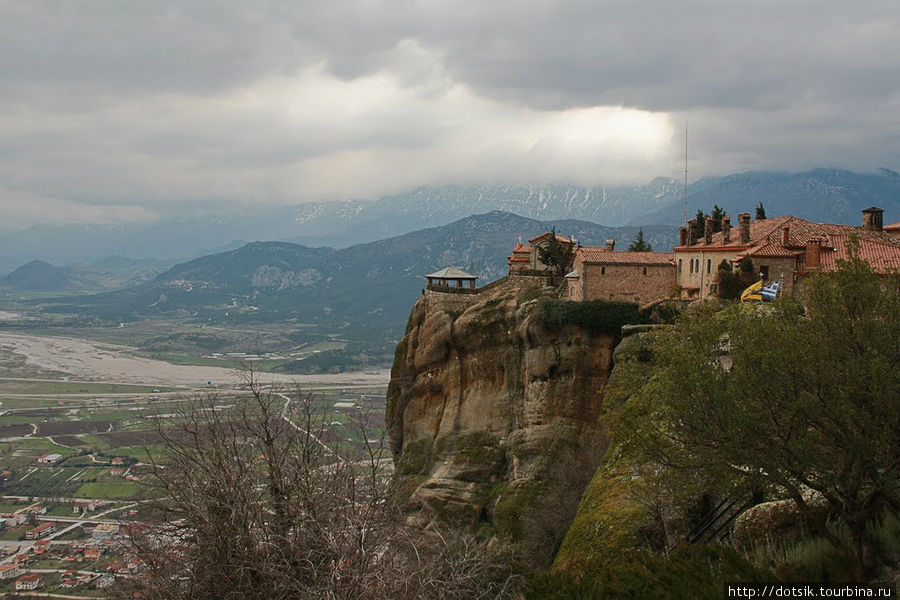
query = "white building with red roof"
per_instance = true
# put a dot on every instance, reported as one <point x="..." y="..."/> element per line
<point x="28" y="582"/>
<point x="787" y="248"/>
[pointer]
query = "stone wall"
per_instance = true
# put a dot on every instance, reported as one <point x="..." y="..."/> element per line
<point x="458" y="301"/>
<point x="628" y="283"/>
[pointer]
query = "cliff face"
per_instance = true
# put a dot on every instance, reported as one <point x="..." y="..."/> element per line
<point x="493" y="419"/>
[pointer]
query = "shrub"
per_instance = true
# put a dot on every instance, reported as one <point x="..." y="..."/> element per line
<point x="595" y="316"/>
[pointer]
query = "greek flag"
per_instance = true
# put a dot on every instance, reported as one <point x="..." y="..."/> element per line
<point x="770" y="292"/>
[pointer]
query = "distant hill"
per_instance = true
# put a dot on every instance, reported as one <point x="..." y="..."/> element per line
<point x="105" y="274"/>
<point x="363" y="291"/>
<point x="39" y="276"/>
<point x="822" y="195"/>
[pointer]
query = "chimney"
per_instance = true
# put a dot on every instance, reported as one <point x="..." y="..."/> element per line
<point x="744" y="225"/>
<point x="813" y="254"/>
<point x="726" y="229"/>
<point x="692" y="232"/>
<point x="708" y="230"/>
<point x="611" y="244"/>
<point x="682" y="236"/>
<point x="786" y="236"/>
<point x="872" y="218"/>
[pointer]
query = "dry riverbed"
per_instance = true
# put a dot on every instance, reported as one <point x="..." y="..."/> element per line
<point x="94" y="361"/>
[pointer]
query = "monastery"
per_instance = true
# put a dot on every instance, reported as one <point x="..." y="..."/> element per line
<point x="786" y="248"/>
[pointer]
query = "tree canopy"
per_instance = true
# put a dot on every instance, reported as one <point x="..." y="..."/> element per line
<point x="803" y="400"/>
<point x="638" y="244"/>
<point x="556" y="254"/>
<point x="760" y="212"/>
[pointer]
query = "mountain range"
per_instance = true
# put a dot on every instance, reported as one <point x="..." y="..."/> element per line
<point x="830" y="195"/>
<point x="362" y="293"/>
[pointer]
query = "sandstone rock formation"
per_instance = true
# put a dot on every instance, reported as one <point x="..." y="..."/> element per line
<point x="494" y="419"/>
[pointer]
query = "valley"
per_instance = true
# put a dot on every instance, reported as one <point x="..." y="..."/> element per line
<point x="81" y="426"/>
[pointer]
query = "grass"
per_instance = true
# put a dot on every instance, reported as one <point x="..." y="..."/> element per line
<point x="109" y="489"/>
<point x="10" y="403"/>
<point x="30" y="386"/>
<point x="140" y="452"/>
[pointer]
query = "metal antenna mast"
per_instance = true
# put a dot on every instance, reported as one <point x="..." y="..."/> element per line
<point x="685" y="173"/>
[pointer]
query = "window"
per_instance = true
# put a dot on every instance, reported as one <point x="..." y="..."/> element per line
<point x="692" y="265"/>
<point x="709" y="265"/>
<point x="679" y="265"/>
<point x="764" y="272"/>
<point x="603" y="270"/>
<point x="645" y="270"/>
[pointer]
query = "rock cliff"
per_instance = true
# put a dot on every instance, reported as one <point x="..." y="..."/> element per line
<point x="494" y="418"/>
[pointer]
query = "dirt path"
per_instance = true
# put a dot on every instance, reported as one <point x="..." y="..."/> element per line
<point x="107" y="362"/>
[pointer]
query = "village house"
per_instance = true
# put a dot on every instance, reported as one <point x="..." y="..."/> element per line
<point x="41" y="531"/>
<point x="787" y="248"/>
<point x="28" y="582"/>
<point x="9" y="571"/>
<point x="41" y="547"/>
<point x="85" y="507"/>
<point x="49" y="459"/>
<point x="13" y="519"/>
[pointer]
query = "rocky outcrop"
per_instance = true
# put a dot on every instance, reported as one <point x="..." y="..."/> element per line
<point x="493" y="418"/>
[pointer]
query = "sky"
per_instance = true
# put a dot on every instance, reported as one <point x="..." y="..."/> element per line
<point x="126" y="111"/>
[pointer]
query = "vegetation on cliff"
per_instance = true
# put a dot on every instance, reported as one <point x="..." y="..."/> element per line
<point x="797" y="403"/>
<point x="593" y="316"/>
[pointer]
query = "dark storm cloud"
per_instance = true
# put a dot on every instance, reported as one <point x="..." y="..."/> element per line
<point x="144" y="103"/>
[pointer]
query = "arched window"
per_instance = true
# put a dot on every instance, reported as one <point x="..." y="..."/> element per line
<point x="679" y="265"/>
<point x="645" y="270"/>
<point x="709" y="265"/>
<point x="603" y="270"/>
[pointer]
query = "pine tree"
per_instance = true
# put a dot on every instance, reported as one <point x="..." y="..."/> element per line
<point x="718" y="214"/>
<point x="639" y="245"/>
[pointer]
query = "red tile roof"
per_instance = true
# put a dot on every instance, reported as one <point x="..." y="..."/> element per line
<point x="892" y="227"/>
<point x="560" y="238"/>
<point x="772" y="251"/>
<point x="598" y="255"/>
<point x="769" y="231"/>
<point x="883" y="257"/>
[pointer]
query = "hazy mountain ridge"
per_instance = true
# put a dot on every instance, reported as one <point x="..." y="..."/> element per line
<point x="831" y="195"/>
<point x="107" y="273"/>
<point x="827" y="195"/>
<point x="364" y="290"/>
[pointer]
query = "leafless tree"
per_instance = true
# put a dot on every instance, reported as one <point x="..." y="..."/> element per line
<point x="256" y="500"/>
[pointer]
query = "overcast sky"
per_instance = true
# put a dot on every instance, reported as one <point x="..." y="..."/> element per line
<point x="127" y="110"/>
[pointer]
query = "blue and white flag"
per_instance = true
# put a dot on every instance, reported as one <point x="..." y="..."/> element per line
<point x="770" y="292"/>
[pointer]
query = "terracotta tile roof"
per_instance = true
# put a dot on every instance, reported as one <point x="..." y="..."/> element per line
<point x="772" y="251"/>
<point x="598" y="255"/>
<point x="884" y="257"/>
<point x="892" y="227"/>
<point x="560" y="238"/>
<point x="770" y="231"/>
<point x="521" y="253"/>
